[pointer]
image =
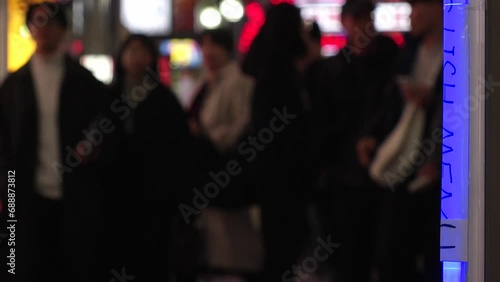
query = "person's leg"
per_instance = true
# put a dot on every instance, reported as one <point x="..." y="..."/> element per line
<point x="383" y="236"/>
<point x="81" y="234"/>
<point x="399" y="262"/>
<point x="48" y="252"/>
<point x="284" y="230"/>
<point x="357" y="233"/>
<point x="429" y="235"/>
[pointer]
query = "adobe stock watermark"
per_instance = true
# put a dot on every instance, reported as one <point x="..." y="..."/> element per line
<point x="103" y="126"/>
<point x="408" y="165"/>
<point x="121" y="277"/>
<point x="248" y="149"/>
<point x="310" y="264"/>
<point x="456" y="118"/>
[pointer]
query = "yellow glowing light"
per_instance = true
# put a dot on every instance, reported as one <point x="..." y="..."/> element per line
<point x="19" y="46"/>
<point x="181" y="52"/>
<point x="24" y="32"/>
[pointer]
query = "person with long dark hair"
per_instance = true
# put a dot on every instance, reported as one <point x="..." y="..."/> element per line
<point x="149" y="149"/>
<point x="280" y="102"/>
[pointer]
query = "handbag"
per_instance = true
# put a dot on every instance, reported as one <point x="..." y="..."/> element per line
<point x="387" y="168"/>
<point x="232" y="240"/>
<point x="184" y="246"/>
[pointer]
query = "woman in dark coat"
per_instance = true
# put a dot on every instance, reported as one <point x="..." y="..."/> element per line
<point x="280" y="106"/>
<point x="148" y="149"/>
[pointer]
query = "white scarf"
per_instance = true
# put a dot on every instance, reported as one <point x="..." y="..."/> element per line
<point x="387" y="166"/>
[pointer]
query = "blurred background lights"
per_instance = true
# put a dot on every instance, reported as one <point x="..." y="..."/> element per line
<point x="24" y="31"/>
<point x="210" y="18"/>
<point x="231" y="10"/>
<point x="101" y="66"/>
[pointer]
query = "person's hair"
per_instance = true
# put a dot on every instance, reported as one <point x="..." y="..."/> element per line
<point x="315" y="32"/>
<point x="278" y="44"/>
<point x="52" y="11"/>
<point x="147" y="43"/>
<point x="221" y="37"/>
<point x="358" y="9"/>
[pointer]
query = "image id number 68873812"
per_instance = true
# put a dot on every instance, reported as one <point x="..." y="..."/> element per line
<point x="11" y="190"/>
<point x="11" y="221"/>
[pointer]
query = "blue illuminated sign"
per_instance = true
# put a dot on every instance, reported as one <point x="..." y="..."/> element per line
<point x="455" y="180"/>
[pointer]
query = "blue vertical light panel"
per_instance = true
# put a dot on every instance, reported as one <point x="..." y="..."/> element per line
<point x="455" y="180"/>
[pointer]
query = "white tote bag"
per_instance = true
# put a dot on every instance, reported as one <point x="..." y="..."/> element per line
<point x="397" y="147"/>
<point x="232" y="239"/>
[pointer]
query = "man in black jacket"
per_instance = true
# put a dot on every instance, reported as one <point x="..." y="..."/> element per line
<point x="354" y="94"/>
<point x="46" y="109"/>
<point x="408" y="244"/>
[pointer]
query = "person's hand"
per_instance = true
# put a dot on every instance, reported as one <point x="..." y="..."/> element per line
<point x="427" y="177"/>
<point x="87" y="154"/>
<point x="195" y="127"/>
<point x="365" y="148"/>
<point x="429" y="170"/>
<point x="420" y="96"/>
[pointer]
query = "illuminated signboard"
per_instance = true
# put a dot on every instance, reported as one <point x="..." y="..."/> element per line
<point x="20" y="46"/>
<point x="255" y="19"/>
<point x="101" y="66"/>
<point x="326" y="15"/>
<point x="182" y="52"/>
<point x="301" y="3"/>
<point x="151" y="17"/>
<point x="455" y="179"/>
<point x="393" y="17"/>
<point x="388" y="17"/>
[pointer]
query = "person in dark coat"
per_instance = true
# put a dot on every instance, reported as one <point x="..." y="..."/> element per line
<point x="316" y="68"/>
<point x="358" y="76"/>
<point x="279" y="126"/>
<point x="46" y="108"/>
<point x="147" y="174"/>
<point x="408" y="241"/>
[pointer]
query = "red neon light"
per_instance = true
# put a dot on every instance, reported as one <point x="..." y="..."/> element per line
<point x="341" y="41"/>
<point x="256" y="18"/>
<point x="77" y="47"/>
<point x="398" y="38"/>
<point x="164" y="69"/>
<point x="338" y="41"/>
<point x="276" y="2"/>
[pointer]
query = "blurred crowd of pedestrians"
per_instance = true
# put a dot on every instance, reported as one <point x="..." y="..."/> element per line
<point x="284" y="165"/>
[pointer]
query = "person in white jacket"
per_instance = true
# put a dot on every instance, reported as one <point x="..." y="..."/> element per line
<point x="221" y="106"/>
<point x="219" y="116"/>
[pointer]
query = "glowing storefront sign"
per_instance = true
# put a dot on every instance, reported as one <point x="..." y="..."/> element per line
<point x="455" y="181"/>
<point x="20" y="46"/>
<point x="392" y="17"/>
<point x="388" y="17"/>
<point x="183" y="53"/>
<point x="152" y="17"/>
<point x="256" y="18"/>
<point x="101" y="66"/>
<point x="326" y="15"/>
